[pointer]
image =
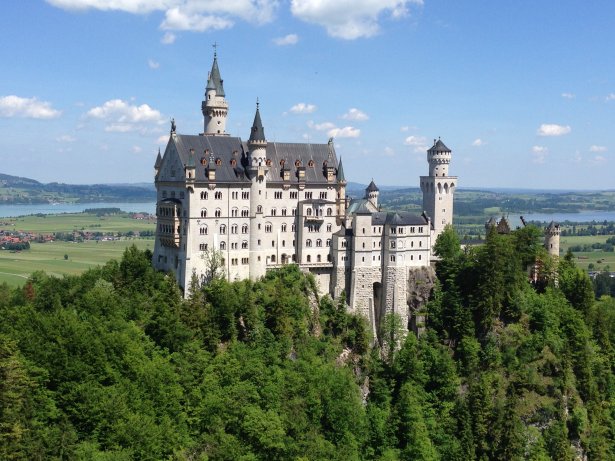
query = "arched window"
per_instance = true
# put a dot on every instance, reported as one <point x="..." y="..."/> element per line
<point x="203" y="213"/>
<point x="308" y="211"/>
<point x="318" y="242"/>
<point x="245" y="212"/>
<point x="244" y="244"/>
<point x="284" y="227"/>
<point x="223" y="245"/>
<point x="218" y="212"/>
<point x="259" y="209"/>
<point x="318" y="258"/>
<point x="234" y="228"/>
<point x="328" y="242"/>
<point x="234" y="212"/>
<point x="329" y="211"/>
<point x="309" y="258"/>
<point x="273" y="212"/>
<point x="223" y="228"/>
<point x="244" y="229"/>
<point x="204" y="195"/>
<point x="203" y="230"/>
<point x="308" y="243"/>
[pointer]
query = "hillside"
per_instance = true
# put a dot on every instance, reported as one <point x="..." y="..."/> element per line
<point x="19" y="190"/>
<point x="115" y="364"/>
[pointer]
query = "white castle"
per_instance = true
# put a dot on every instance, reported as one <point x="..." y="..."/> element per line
<point x="260" y="205"/>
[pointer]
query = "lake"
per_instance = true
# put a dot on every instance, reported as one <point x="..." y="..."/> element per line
<point x="582" y="216"/>
<point x="11" y="211"/>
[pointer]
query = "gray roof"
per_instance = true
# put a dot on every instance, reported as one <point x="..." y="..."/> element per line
<point x="215" y="78"/>
<point x="361" y="206"/>
<point x="372" y="187"/>
<point x="225" y="149"/>
<point x="340" y="172"/>
<point x="553" y="225"/>
<point x="158" y="160"/>
<point x="438" y="146"/>
<point x="258" y="132"/>
<point x="398" y="218"/>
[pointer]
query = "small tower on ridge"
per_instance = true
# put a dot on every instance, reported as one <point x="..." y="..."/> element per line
<point x="552" y="234"/>
<point x="214" y="107"/>
<point x="371" y="193"/>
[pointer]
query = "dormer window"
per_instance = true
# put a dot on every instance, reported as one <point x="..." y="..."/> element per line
<point x="311" y="163"/>
<point x="218" y="161"/>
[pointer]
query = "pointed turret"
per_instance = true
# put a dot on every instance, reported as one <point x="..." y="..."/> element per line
<point x="371" y="193"/>
<point x="214" y="107"/>
<point x="158" y="161"/>
<point x="257" y="134"/>
<point x="340" y="173"/>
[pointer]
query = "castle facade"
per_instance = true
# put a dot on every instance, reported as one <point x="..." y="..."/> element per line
<point x="250" y="206"/>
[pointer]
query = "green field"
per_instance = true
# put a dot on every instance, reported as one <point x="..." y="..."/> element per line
<point x="600" y="259"/>
<point x="15" y="267"/>
<point x="76" y="221"/>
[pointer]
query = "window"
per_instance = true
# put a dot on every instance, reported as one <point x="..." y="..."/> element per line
<point x="203" y="247"/>
<point x="421" y="244"/>
<point x="329" y="212"/>
<point x="309" y="258"/>
<point x="283" y="243"/>
<point x="308" y="211"/>
<point x="218" y="195"/>
<point x="223" y="245"/>
<point x="245" y="260"/>
<point x="273" y="244"/>
<point x="344" y="243"/>
<point x="277" y="195"/>
<point x="392" y="243"/>
<point x="245" y="195"/>
<point x="284" y="227"/>
<point x="203" y="213"/>
<point x="293" y="194"/>
<point x="392" y="258"/>
<point x="328" y="242"/>
<point x="204" y="195"/>
<point x="412" y="230"/>
<point x="203" y="230"/>
<point x="323" y="195"/>
<point x="328" y="227"/>
<point x="223" y="228"/>
<point x="234" y="228"/>
<point x="268" y="227"/>
<point x="234" y="212"/>
<point x="420" y="230"/>
<point x="294" y="211"/>
<point x="234" y="195"/>
<point x="308" y="195"/>
<point x="273" y="212"/>
<point x="318" y="242"/>
<point x="245" y="213"/>
<point x="318" y="258"/>
<point x="234" y="261"/>
<point x="283" y="211"/>
<point x="234" y="246"/>
<point x="244" y="244"/>
<point x="218" y="212"/>
<point x="308" y="243"/>
<point x="244" y="229"/>
<point x="259" y="209"/>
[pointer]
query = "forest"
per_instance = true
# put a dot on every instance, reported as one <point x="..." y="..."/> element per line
<point x="115" y="364"/>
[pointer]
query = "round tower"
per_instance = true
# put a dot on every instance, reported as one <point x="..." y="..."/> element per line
<point x="552" y="234"/>
<point x="214" y="107"/>
<point x="438" y="188"/>
<point x="257" y="171"/>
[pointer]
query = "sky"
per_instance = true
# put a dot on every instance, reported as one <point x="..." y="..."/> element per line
<point x="522" y="92"/>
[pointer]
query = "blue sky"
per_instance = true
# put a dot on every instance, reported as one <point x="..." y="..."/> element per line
<point x="522" y="92"/>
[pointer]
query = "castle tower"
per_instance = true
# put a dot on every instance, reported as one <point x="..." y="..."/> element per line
<point x="341" y="193"/>
<point x="214" y="107"/>
<point x="438" y="188"/>
<point x="371" y="193"/>
<point x="257" y="170"/>
<point x="552" y="233"/>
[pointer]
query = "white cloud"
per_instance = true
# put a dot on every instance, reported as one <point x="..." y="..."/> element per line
<point x="350" y="19"/>
<point x="15" y="106"/>
<point x="610" y="97"/>
<point x="290" y="39"/>
<point x="321" y="126"/>
<point x="162" y="139"/>
<point x="123" y="117"/>
<point x="419" y="143"/>
<point x="66" y="138"/>
<point x="168" y="38"/>
<point x="334" y="131"/>
<point x="355" y="114"/>
<point x="388" y="152"/>
<point x="568" y="95"/>
<point x="539" y="154"/>
<point x="193" y="15"/>
<point x="303" y="108"/>
<point x="595" y="148"/>
<point x="136" y="149"/>
<point x="598" y="159"/>
<point x="153" y="64"/>
<point x="478" y="142"/>
<point x="345" y="132"/>
<point x="176" y="19"/>
<point x="551" y="129"/>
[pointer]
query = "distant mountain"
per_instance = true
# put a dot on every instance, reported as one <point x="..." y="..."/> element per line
<point x="19" y="190"/>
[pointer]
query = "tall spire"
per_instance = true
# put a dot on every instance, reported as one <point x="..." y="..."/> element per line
<point x="214" y="107"/>
<point x="214" y="76"/>
<point x="257" y="133"/>
<point x="340" y="172"/>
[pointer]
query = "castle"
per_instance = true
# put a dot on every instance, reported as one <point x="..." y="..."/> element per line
<point x="259" y="205"/>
